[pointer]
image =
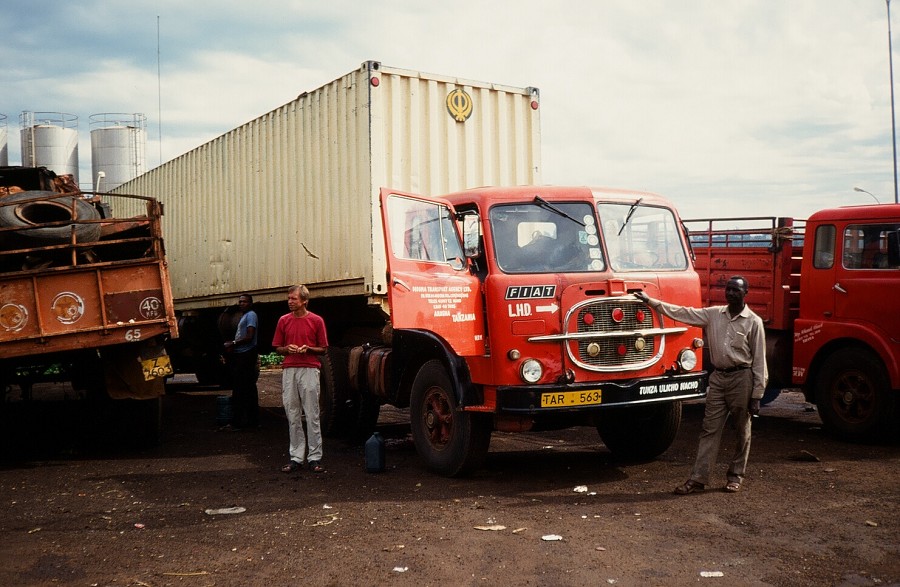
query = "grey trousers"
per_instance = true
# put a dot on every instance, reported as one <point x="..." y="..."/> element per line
<point x="300" y="395"/>
<point x="729" y="394"/>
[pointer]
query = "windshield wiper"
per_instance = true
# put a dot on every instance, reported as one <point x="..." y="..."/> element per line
<point x="628" y="216"/>
<point x="545" y="204"/>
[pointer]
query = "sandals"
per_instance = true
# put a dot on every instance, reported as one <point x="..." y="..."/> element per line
<point x="291" y="467"/>
<point x="294" y="466"/>
<point x="733" y="487"/>
<point x="690" y="486"/>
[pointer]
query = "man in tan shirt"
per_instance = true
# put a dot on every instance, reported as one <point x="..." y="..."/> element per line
<point x="736" y="341"/>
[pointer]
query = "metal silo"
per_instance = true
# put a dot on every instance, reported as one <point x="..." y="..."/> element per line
<point x="4" y="149"/>
<point x="50" y="139"/>
<point x="118" y="143"/>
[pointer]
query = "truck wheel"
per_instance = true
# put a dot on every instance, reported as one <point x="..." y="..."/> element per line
<point x="334" y="415"/>
<point x="450" y="441"/>
<point x="853" y="395"/>
<point x="640" y="433"/>
<point x="57" y="209"/>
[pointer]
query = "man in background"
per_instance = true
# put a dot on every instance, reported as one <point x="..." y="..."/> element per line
<point x="242" y="358"/>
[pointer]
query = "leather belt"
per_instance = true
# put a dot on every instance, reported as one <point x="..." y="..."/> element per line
<point x="733" y="369"/>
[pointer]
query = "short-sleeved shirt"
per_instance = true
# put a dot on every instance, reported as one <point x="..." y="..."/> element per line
<point x="303" y="330"/>
<point x="738" y="341"/>
<point x="248" y="320"/>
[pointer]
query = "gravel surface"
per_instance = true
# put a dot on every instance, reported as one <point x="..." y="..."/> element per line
<point x="212" y="508"/>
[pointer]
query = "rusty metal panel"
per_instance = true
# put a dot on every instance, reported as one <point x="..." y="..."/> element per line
<point x="58" y="311"/>
<point x="17" y="310"/>
<point x="292" y="196"/>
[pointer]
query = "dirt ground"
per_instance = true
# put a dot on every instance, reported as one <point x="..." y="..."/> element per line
<point x="813" y="511"/>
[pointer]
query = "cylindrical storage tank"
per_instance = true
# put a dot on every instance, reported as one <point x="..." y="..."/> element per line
<point x="4" y="149"/>
<point x="118" y="144"/>
<point x="50" y="139"/>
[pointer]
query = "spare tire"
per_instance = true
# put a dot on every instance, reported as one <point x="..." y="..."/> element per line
<point x="17" y="212"/>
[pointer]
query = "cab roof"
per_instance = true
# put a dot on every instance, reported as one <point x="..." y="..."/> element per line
<point x="866" y="212"/>
<point x="551" y="193"/>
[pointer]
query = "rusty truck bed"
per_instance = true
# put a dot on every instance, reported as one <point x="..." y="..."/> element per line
<point x="108" y="289"/>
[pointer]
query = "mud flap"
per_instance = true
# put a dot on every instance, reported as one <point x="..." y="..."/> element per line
<point x="135" y="371"/>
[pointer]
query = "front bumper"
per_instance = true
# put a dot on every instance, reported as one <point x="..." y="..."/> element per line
<point x="546" y="399"/>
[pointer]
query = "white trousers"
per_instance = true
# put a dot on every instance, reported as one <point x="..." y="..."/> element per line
<point x="300" y="394"/>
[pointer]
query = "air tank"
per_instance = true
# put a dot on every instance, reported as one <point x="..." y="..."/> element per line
<point x="118" y="143"/>
<point x="50" y="139"/>
<point x="4" y="149"/>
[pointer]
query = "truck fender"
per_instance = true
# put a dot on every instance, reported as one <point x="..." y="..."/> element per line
<point x="413" y="348"/>
<point x="841" y="336"/>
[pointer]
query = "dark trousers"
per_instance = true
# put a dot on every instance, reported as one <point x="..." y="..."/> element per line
<point x="244" y="368"/>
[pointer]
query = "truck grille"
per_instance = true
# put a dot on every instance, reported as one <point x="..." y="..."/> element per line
<point x="630" y="348"/>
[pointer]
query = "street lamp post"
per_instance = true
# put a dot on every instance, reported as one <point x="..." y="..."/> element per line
<point x="867" y="192"/>
<point x="893" y="121"/>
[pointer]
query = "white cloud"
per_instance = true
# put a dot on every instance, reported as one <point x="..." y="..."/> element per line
<point x="728" y="107"/>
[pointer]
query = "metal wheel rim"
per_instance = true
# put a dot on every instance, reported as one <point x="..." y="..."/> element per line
<point x="853" y="397"/>
<point x="437" y="417"/>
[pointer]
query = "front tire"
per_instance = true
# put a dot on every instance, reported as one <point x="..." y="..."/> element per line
<point x="450" y="441"/>
<point x="853" y="395"/>
<point x="640" y="433"/>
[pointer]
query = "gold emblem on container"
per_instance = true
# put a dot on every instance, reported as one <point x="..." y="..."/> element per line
<point x="459" y="105"/>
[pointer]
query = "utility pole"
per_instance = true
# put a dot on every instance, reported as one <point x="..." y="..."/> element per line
<point x="893" y="120"/>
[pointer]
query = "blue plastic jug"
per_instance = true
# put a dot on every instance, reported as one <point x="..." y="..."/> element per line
<point x="375" y="453"/>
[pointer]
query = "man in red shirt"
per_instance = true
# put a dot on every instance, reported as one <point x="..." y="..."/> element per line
<point x="300" y="337"/>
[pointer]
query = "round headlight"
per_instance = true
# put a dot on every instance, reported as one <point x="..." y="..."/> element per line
<point x="531" y="371"/>
<point x="687" y="360"/>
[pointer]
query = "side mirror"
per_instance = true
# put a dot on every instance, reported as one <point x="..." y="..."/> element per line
<point x="471" y="235"/>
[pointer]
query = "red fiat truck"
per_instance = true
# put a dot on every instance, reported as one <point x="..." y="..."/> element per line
<point x="512" y="309"/>
<point x="827" y="292"/>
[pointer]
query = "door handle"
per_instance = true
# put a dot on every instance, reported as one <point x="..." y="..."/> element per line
<point x="837" y="287"/>
<point x="396" y="281"/>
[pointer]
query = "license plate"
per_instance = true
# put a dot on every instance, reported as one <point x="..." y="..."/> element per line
<point x="158" y="367"/>
<point x="571" y="398"/>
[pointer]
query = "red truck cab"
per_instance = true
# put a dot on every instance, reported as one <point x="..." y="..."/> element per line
<point x="847" y="332"/>
<point x="826" y="290"/>
<point x="520" y="302"/>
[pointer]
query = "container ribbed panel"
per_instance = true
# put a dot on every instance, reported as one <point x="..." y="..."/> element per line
<point x="292" y="196"/>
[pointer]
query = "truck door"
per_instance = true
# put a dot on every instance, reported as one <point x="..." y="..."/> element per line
<point x="865" y="283"/>
<point x="430" y="286"/>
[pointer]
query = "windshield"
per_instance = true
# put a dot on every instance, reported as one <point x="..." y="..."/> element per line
<point x="541" y="237"/>
<point x="640" y="238"/>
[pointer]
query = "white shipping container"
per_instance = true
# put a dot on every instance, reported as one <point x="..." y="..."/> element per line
<point x="292" y="196"/>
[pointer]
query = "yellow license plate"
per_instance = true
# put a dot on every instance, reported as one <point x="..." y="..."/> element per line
<point x="571" y="398"/>
<point x="158" y="367"/>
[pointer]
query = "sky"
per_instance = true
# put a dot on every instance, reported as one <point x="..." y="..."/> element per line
<point x="727" y="107"/>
